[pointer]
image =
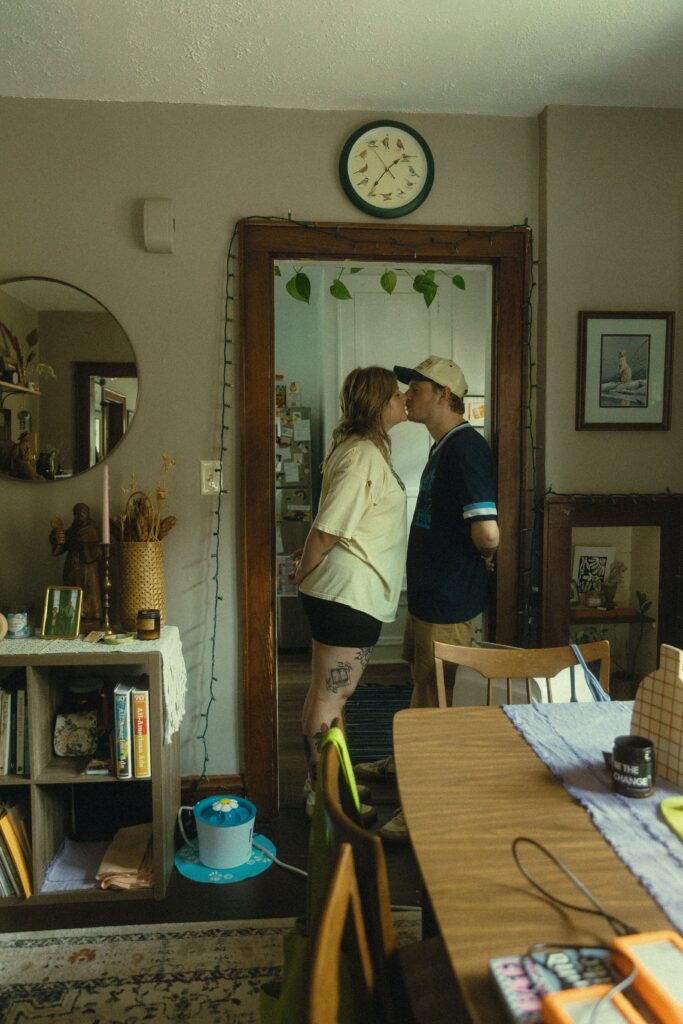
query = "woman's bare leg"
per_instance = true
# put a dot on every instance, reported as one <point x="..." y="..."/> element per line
<point x="335" y="673"/>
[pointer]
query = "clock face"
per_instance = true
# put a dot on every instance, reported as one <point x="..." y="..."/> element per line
<point x="386" y="169"/>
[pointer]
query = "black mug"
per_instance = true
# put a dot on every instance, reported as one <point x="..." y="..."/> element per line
<point x="633" y="766"/>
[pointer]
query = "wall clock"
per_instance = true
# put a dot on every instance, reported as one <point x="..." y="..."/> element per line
<point x="386" y="168"/>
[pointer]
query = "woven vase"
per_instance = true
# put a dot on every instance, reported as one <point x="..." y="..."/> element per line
<point x="141" y="579"/>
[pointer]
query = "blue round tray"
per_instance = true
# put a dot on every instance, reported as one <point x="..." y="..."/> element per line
<point x="188" y="864"/>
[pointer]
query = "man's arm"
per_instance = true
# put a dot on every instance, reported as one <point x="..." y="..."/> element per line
<point x="485" y="537"/>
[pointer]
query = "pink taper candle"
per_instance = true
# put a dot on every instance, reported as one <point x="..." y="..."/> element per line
<point x="105" y="505"/>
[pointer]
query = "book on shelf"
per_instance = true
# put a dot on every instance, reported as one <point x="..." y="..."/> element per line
<point x="123" y="735"/>
<point x="16" y="845"/>
<point x="9" y="875"/>
<point x="5" y="730"/>
<point x="142" y="760"/>
<point x="21" y="731"/>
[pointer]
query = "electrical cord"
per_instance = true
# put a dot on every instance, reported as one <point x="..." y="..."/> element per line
<point x="618" y="926"/>
<point x="276" y="860"/>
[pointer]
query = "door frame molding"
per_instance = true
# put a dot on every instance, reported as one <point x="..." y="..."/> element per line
<point x="261" y="243"/>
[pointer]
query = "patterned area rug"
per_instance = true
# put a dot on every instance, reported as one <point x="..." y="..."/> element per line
<point x="147" y="974"/>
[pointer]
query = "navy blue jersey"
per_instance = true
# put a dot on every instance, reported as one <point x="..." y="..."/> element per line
<point x="447" y="578"/>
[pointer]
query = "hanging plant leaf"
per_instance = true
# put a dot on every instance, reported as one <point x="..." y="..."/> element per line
<point x="426" y="286"/>
<point x="299" y="287"/>
<point x="458" y="281"/>
<point x="278" y="272"/>
<point x="303" y="286"/>
<point x="388" y="281"/>
<point x="355" y="270"/>
<point x="339" y="290"/>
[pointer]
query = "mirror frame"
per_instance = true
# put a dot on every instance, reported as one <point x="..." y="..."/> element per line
<point x="261" y="242"/>
<point x="80" y="387"/>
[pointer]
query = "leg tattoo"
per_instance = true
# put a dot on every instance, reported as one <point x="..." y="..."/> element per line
<point x="338" y="677"/>
<point x="363" y="656"/>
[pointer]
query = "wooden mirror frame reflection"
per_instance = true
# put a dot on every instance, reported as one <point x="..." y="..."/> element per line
<point x="261" y="243"/>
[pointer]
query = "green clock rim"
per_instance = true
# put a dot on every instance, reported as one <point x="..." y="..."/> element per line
<point x="377" y="211"/>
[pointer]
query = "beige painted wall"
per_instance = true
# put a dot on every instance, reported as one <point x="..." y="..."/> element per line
<point x="71" y="183"/>
<point x="612" y="228"/>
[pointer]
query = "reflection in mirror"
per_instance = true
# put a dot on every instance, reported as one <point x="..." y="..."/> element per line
<point x="68" y="380"/>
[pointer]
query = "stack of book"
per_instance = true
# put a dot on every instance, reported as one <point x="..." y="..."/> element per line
<point x="15" y="849"/>
<point x="132" y="755"/>
<point x="14" y="748"/>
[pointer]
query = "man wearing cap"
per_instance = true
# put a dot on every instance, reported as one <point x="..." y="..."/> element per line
<point x="453" y="537"/>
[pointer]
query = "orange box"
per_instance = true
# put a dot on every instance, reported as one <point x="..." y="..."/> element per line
<point x="658" y="957"/>
<point x="566" y="1007"/>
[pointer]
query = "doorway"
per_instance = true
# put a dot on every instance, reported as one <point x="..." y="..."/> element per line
<point x="506" y="251"/>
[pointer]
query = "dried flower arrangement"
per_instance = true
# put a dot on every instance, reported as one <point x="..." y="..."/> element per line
<point x="141" y="518"/>
<point x="27" y="369"/>
<point x="615" y="574"/>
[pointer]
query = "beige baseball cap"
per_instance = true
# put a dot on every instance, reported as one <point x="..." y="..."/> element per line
<point x="438" y="370"/>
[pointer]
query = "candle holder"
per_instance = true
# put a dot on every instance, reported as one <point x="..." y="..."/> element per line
<point x="106" y="587"/>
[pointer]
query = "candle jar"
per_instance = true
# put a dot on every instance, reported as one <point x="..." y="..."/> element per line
<point x="149" y="624"/>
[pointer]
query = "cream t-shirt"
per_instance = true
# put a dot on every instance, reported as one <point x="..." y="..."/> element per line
<point x="362" y="502"/>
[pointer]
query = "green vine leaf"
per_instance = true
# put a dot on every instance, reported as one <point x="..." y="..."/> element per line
<point x="299" y="287"/>
<point x="339" y="290"/>
<point x="458" y="281"/>
<point x="426" y="286"/>
<point x="388" y="281"/>
<point x="355" y="270"/>
<point x="278" y="272"/>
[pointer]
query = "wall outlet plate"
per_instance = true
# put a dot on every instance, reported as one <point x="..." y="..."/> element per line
<point x="210" y="476"/>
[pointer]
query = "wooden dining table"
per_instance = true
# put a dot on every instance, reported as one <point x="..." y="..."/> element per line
<point x="469" y="785"/>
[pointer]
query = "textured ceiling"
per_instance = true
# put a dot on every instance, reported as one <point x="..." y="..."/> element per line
<point x="509" y="57"/>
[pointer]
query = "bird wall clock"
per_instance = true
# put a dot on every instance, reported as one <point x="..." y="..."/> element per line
<point x="386" y="168"/>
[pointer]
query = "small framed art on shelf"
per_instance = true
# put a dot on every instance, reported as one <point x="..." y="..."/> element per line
<point x="624" y="371"/>
<point x="62" y="612"/>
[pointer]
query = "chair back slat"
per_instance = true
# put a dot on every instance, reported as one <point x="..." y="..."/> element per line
<point x="502" y="663"/>
<point x="341" y="928"/>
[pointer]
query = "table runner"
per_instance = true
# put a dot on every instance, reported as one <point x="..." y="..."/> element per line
<point x="174" y="673"/>
<point x="570" y="739"/>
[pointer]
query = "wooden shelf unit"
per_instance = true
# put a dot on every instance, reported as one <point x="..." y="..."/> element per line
<point x="564" y="512"/>
<point x="606" y="616"/>
<point x="5" y="385"/>
<point x="55" y="783"/>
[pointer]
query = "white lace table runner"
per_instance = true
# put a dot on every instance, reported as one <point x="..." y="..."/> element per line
<point x="570" y="739"/>
<point x="173" y="674"/>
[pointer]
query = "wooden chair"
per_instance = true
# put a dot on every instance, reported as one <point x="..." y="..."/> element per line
<point x="341" y="927"/>
<point x="531" y="665"/>
<point x="414" y="983"/>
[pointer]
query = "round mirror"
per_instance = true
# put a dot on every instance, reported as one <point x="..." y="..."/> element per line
<point x="68" y="380"/>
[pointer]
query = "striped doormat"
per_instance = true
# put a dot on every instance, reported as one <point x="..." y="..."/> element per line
<point x="369" y="716"/>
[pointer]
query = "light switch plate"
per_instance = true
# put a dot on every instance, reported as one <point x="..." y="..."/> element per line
<point x="210" y="476"/>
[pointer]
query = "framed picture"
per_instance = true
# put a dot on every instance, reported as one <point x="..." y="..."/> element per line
<point x="62" y="612"/>
<point x="475" y="409"/>
<point x="624" y="371"/>
<point x="590" y="566"/>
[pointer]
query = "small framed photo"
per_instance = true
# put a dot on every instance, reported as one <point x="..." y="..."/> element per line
<point x="62" y="612"/>
<point x="590" y="566"/>
<point x="624" y="371"/>
<point x="475" y="410"/>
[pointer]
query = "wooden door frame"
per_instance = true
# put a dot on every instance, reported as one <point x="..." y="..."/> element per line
<point x="261" y="242"/>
